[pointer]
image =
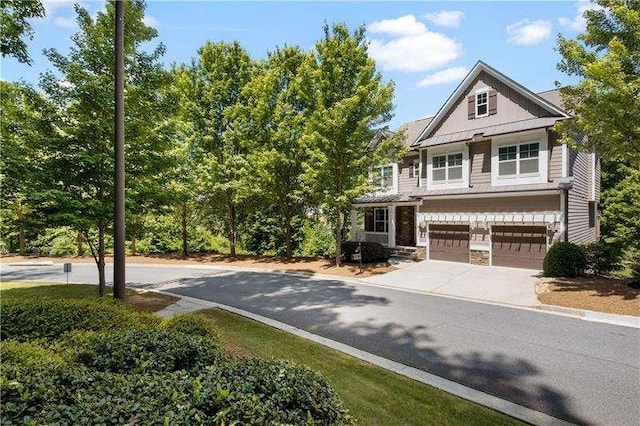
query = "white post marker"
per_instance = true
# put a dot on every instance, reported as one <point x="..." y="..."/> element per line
<point x="67" y="269"/>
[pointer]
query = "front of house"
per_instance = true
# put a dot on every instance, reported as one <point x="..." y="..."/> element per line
<point x="486" y="180"/>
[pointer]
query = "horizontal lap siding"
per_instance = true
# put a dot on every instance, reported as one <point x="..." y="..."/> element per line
<point x="555" y="157"/>
<point x="407" y="183"/>
<point x="495" y="205"/>
<point x="480" y="155"/>
<point x="580" y="167"/>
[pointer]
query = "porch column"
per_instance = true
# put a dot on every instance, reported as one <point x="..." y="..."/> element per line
<point x="392" y="226"/>
<point x="354" y="224"/>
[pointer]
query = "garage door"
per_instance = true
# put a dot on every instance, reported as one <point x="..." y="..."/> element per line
<point x="518" y="246"/>
<point x="449" y="242"/>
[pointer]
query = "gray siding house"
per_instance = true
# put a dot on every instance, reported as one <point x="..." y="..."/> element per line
<point x="485" y="181"/>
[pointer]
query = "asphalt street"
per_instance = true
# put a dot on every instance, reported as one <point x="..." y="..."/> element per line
<point x="580" y="371"/>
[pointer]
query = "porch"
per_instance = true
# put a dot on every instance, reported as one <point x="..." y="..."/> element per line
<point x="390" y="225"/>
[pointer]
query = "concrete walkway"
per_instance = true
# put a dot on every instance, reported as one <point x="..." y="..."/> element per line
<point x="494" y="284"/>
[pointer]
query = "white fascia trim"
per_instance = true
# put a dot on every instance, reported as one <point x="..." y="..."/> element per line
<point x="593" y="176"/>
<point x="453" y="148"/>
<point x="475" y="71"/>
<point x="493" y="195"/>
<point x="515" y="139"/>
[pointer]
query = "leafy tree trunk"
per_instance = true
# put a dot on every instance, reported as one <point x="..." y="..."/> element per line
<point x="287" y="234"/>
<point x="338" y="235"/>
<point x="79" y="244"/>
<point x="133" y="245"/>
<point x="185" y="240"/>
<point x="21" y="240"/>
<point x="102" y="283"/>
<point x="232" y="229"/>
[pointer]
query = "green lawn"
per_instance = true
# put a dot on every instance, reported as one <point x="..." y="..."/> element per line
<point x="372" y="394"/>
<point x="143" y="301"/>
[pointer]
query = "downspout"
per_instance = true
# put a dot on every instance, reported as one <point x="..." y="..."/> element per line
<point x="565" y="213"/>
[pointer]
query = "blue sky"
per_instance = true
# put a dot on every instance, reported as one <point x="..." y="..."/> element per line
<point x="424" y="47"/>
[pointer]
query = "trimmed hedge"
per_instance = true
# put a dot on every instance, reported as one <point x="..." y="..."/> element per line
<point x="25" y="320"/>
<point x="565" y="259"/>
<point x="192" y="324"/>
<point x="145" y="351"/>
<point x="371" y="252"/>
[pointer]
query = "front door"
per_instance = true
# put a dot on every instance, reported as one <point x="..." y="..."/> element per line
<point x="406" y="226"/>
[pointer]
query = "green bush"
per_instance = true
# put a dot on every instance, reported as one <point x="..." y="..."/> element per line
<point x="56" y="242"/>
<point x="245" y="391"/>
<point x="318" y="240"/>
<point x="163" y="351"/>
<point x="602" y="258"/>
<point x="565" y="259"/>
<point x="371" y="252"/>
<point x="30" y="354"/>
<point x="192" y="324"/>
<point x="25" y="320"/>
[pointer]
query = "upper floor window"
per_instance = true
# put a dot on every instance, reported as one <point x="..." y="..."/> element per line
<point x="416" y="167"/>
<point x="446" y="168"/>
<point x="482" y="103"/>
<point x="385" y="176"/>
<point x="519" y="159"/>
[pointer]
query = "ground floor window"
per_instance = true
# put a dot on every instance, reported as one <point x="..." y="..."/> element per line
<point x="381" y="219"/>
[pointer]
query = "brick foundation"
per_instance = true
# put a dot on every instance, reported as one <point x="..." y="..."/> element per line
<point x="479" y="257"/>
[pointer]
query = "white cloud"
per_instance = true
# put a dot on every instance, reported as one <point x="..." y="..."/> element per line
<point x="63" y="22"/>
<point x="51" y="7"/>
<point x="410" y="46"/>
<point x="527" y="32"/>
<point x="449" y="75"/>
<point x="150" y="21"/>
<point x="446" y="18"/>
<point x="404" y="26"/>
<point x="578" y="23"/>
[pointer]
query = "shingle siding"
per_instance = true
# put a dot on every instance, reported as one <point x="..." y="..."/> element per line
<point x="580" y="167"/>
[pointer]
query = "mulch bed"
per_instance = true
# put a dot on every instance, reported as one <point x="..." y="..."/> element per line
<point x="602" y="294"/>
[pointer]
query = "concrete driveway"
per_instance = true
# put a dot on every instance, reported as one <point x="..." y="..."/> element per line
<point x="487" y="283"/>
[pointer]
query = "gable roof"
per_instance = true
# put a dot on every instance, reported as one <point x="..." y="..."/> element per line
<point x="463" y="86"/>
<point x="413" y="129"/>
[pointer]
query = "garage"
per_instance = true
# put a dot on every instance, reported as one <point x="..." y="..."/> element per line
<point x="449" y="242"/>
<point x="518" y="246"/>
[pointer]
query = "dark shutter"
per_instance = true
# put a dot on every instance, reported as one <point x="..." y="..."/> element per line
<point x="368" y="220"/>
<point x="411" y="167"/>
<point x="493" y="102"/>
<point x="471" y="104"/>
<point x="423" y="164"/>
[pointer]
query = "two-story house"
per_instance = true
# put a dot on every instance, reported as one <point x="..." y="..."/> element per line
<point x="486" y="180"/>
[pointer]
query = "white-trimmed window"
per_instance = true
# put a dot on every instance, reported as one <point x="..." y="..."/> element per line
<point x="482" y="103"/>
<point x="519" y="159"/>
<point x="446" y="168"/>
<point x="416" y="167"/>
<point x="385" y="177"/>
<point x="381" y="219"/>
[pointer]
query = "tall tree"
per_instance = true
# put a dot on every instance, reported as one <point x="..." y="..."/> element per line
<point x="28" y="119"/>
<point x="273" y="123"/>
<point x="606" y="102"/>
<point x="349" y="102"/>
<point x="78" y="185"/>
<point x="14" y="26"/>
<point x="212" y="89"/>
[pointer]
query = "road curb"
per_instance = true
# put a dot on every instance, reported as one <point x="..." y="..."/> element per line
<point x="507" y="407"/>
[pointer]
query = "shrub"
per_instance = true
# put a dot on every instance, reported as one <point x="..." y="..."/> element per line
<point x="371" y="252"/>
<point x="318" y="240"/>
<point x="25" y="320"/>
<point x="192" y="324"/>
<point x="29" y="354"/>
<point x="602" y="258"/>
<point x="564" y="259"/>
<point x="163" y="351"/>
<point x="56" y="242"/>
<point x="245" y="391"/>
